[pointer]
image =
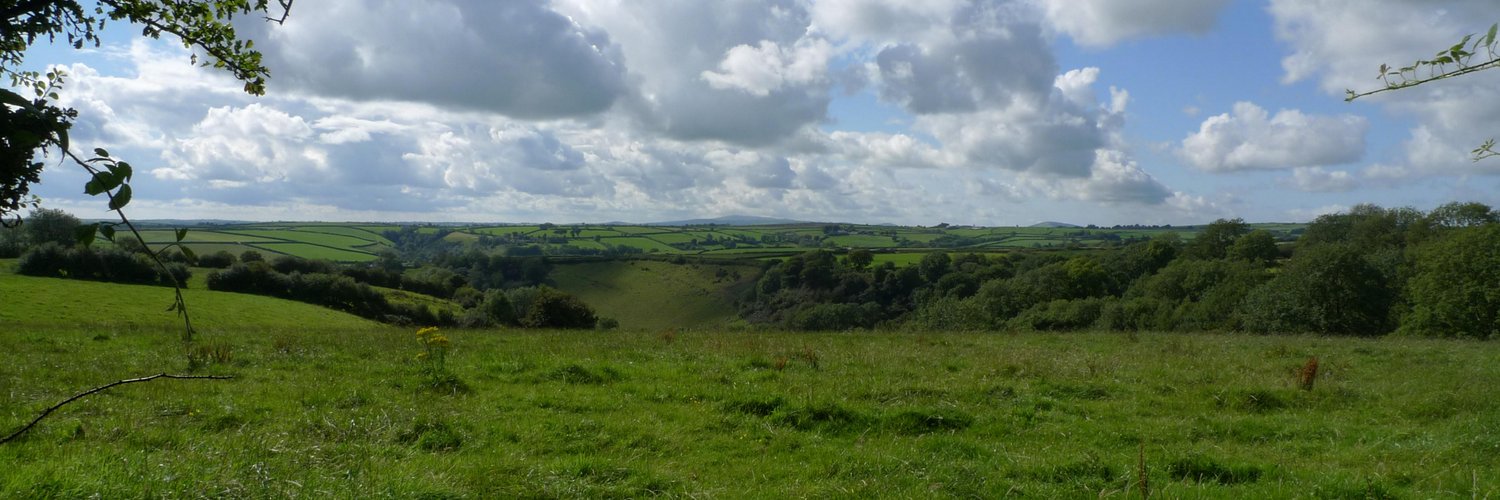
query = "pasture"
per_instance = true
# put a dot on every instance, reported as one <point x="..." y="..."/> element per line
<point x="323" y="404"/>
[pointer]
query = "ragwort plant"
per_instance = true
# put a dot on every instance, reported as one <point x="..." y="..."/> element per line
<point x="434" y="358"/>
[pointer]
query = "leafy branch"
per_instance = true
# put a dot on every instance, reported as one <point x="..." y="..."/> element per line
<point x="111" y="178"/>
<point x="1460" y="56"/>
<point x="1458" y="60"/>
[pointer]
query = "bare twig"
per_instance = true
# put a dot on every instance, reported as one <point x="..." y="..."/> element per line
<point x="286" y="10"/>
<point x="101" y="388"/>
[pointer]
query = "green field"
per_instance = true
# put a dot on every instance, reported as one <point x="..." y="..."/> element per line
<point x="649" y="295"/>
<point x="323" y="404"/>
<point x="312" y="251"/>
<point x="45" y="304"/>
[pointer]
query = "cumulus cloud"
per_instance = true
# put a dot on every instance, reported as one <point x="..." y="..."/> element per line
<point x="1320" y="180"/>
<point x="670" y="46"/>
<point x="1249" y="138"/>
<point x="635" y="110"/>
<point x="1105" y="22"/>
<point x="519" y="58"/>
<point x="768" y="67"/>
<point x="1339" y="44"/>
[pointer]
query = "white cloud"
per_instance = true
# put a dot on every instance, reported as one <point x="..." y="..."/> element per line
<point x="1105" y="22"/>
<point x="519" y="58"/>
<point x="768" y="67"/>
<point x="1320" y="180"/>
<point x="1249" y="138"/>
<point x="1340" y="44"/>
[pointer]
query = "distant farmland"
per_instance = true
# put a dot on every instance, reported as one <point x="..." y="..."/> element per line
<point x="355" y="242"/>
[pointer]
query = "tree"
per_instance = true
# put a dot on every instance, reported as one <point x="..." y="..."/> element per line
<point x="1457" y="214"/>
<point x="860" y="258"/>
<point x="51" y="225"/>
<point x="1324" y="289"/>
<point x="1455" y="61"/>
<point x="1454" y="292"/>
<point x="29" y="125"/>
<point x="1258" y="246"/>
<point x="934" y="265"/>
<point x="1214" y="240"/>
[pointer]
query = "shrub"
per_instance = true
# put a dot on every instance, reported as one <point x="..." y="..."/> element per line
<point x="950" y="314"/>
<point x="553" y="309"/>
<point x="1329" y="288"/>
<point x="1454" y="291"/>
<point x="109" y="264"/>
<point x="217" y="260"/>
<point x="1060" y="315"/>
<point x="834" y="317"/>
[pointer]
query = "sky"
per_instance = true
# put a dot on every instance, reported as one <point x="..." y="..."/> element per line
<point x="983" y="112"/>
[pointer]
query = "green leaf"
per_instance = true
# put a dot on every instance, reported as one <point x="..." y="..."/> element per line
<point x="123" y="170"/>
<point x="108" y="232"/>
<point x="181" y="233"/>
<point x="12" y="98"/>
<point x="1489" y="39"/>
<point x="85" y="234"/>
<point x="192" y="257"/>
<point x="101" y="152"/>
<point x="62" y="139"/>
<point x="122" y="198"/>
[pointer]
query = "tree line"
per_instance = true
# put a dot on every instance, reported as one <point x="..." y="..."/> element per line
<point x="1369" y="271"/>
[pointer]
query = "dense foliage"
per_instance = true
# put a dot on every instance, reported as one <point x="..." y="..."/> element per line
<point x="1370" y="271"/>
<point x="107" y="264"/>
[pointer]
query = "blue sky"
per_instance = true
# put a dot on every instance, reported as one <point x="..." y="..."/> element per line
<point x="997" y="112"/>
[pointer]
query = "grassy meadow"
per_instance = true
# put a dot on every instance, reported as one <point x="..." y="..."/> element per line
<point x="324" y="405"/>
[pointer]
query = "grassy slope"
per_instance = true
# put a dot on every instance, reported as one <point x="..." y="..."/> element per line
<point x="31" y="303"/>
<point x="342" y="414"/>
<point x="653" y="295"/>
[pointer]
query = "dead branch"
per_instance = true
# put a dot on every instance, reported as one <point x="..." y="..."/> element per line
<point x="101" y="388"/>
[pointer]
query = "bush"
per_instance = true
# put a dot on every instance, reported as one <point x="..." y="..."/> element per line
<point x="1329" y="288"/>
<point x="217" y="260"/>
<point x="496" y="309"/>
<point x="950" y="314"/>
<point x="834" y="317"/>
<point x="553" y="309"/>
<point x="109" y="264"/>
<point x="1060" y="315"/>
<point x="1455" y="291"/>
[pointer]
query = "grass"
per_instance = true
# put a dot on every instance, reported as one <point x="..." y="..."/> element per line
<point x="653" y="295"/>
<point x="43" y="304"/>
<point x="311" y="251"/>
<point x="347" y="413"/>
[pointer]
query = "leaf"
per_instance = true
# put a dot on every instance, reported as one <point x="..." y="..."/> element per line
<point x="62" y="139"/>
<point x="108" y="231"/>
<point x="85" y="234"/>
<point x="98" y="184"/>
<point x="192" y="257"/>
<point x="123" y="170"/>
<point x="1489" y="39"/>
<point x="122" y="198"/>
<point x="101" y="152"/>
<point x="181" y="233"/>
<point x="12" y="98"/>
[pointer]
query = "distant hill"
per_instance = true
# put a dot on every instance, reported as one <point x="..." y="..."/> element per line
<point x="728" y="220"/>
<point x="1054" y="224"/>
